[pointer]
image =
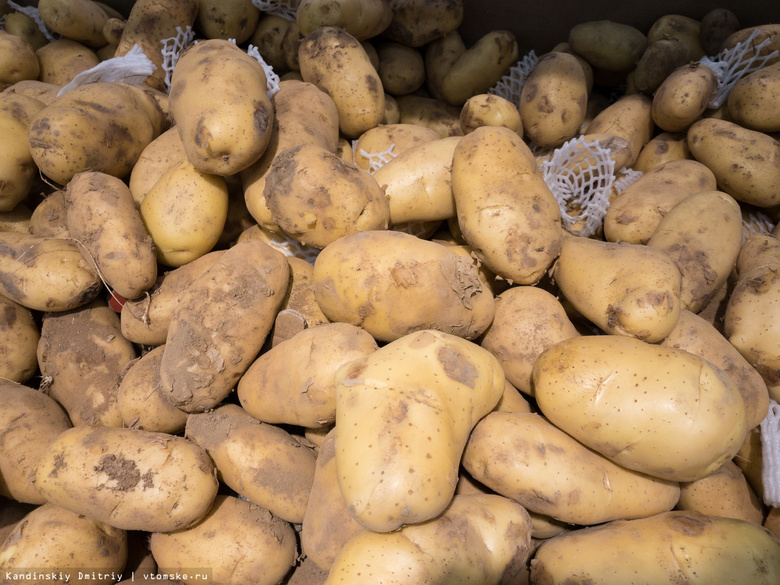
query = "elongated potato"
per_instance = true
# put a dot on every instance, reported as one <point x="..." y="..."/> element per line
<point x="630" y="118"/>
<point x="505" y="210"/>
<point x="657" y="410"/>
<point x="79" y="20"/>
<point x="128" y="478"/>
<point x="548" y="472"/>
<point x="420" y="22"/>
<point x="19" y="337"/>
<point x="683" y="97"/>
<point x="363" y="19"/>
<point x="17" y="168"/>
<point x="608" y="45"/>
<point x="391" y="283"/>
<point x="392" y="474"/>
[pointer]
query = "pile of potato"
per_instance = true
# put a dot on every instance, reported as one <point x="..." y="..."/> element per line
<point x="336" y="331"/>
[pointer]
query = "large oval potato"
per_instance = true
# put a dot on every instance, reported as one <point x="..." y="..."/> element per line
<point x="391" y="283"/>
<point x="683" y="97"/>
<point x="657" y="410"/>
<point x="79" y="20"/>
<point x="128" y="478"/>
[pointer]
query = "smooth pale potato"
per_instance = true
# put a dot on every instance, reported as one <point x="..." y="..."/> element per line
<point x="82" y="356"/>
<point x="315" y="197"/>
<point x="389" y="138"/>
<point x="663" y="147"/>
<point x="683" y="96"/>
<point x="527" y="321"/>
<point x="419" y="22"/>
<point x="61" y="544"/>
<point x="264" y="463"/>
<point x="746" y="163"/>
<point x="102" y="217"/>
<point x="391" y="283"/>
<point x="486" y="109"/>
<point x="62" y="59"/>
<point x="418" y="182"/>
<point x="714" y="549"/>
<point x="185" y="213"/>
<point x="658" y="410"/>
<point x="46" y="273"/>
<point x="362" y="19"/>
<point x="272" y="393"/>
<point x="634" y="215"/>
<point x="751" y="101"/>
<point x="553" y="101"/>
<point x="696" y="335"/>
<point x="238" y="542"/>
<point x="724" y="493"/>
<point x="548" y="472"/>
<point x="703" y="235"/>
<point x="382" y="464"/>
<point x="209" y="346"/>
<point x="630" y="118"/>
<point x="608" y="45"/>
<point x="79" y="20"/>
<point x="139" y="403"/>
<point x="231" y="19"/>
<point x="19" y="336"/>
<point x="337" y="63"/>
<point x="128" y="478"/>
<point x="159" y="156"/>
<point x="31" y="421"/>
<point x="19" y="61"/>
<point x="505" y="210"/>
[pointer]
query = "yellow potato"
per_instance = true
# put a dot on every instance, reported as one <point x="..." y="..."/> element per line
<point x="440" y="55"/>
<point x="362" y="19"/>
<point x="401" y="68"/>
<point x="683" y="97"/>
<point x="751" y="101"/>
<point x="419" y="22"/>
<point x="78" y="20"/>
<point x="683" y="29"/>
<point x="17" y="168"/>
<point x="159" y="156"/>
<point x="662" y="148"/>
<point x="19" y="336"/>
<point x="391" y="138"/>
<point x="268" y="37"/>
<point x="432" y="113"/>
<point x="62" y="59"/>
<point x="724" y="493"/>
<point x="21" y="25"/>
<point x="630" y="118"/>
<point x="608" y="45"/>
<point x="486" y="109"/>
<point x="227" y="19"/>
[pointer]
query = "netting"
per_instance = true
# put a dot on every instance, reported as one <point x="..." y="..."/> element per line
<point x="580" y="175"/>
<point x="755" y="222"/>
<point x="511" y="84"/>
<point x="770" y="455"/>
<point x="731" y="65"/>
<point x="284" y="8"/>
<point x="172" y="48"/>
<point x="376" y="160"/>
<point x="270" y="75"/>
<point x="134" y="67"/>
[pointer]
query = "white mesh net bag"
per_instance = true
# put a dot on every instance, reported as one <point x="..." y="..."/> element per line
<point x="376" y="160"/>
<point x="770" y="455"/>
<point x="580" y="175"/>
<point x="272" y="78"/>
<point x="172" y="48"/>
<point x="134" y="67"/>
<point x="755" y="222"/>
<point x="731" y="65"/>
<point x="511" y="84"/>
<point x="284" y="8"/>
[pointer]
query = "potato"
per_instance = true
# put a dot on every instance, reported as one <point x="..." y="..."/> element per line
<point x="682" y="419"/>
<point x="101" y="126"/>
<point x="102" y="218"/>
<point x="505" y="210"/>
<point x="158" y="157"/>
<point x="393" y="138"/>
<point x="139" y="403"/>
<point x="553" y="100"/>
<point x="78" y="20"/>
<point x="20" y="334"/>
<point x="527" y="321"/>
<point x="608" y="45"/>
<point x="663" y="147"/>
<point x="418" y="182"/>
<point x="480" y="67"/>
<point x="222" y="131"/>
<point x="401" y="68"/>
<point x="635" y="214"/>
<point x="45" y="274"/>
<point x="491" y="543"/>
<point x="525" y="458"/>
<point x="763" y="32"/>
<point x="703" y="234"/>
<point x="680" y="28"/>
<point x="39" y="90"/>
<point x="316" y="198"/>
<point x="486" y="109"/>
<point x="673" y="546"/>
<point x="18" y="62"/>
<point x="235" y="19"/>
<point x="145" y="320"/>
<point x="361" y="19"/>
<point x="724" y="493"/>
<point x="683" y="97"/>
<point x="268" y="37"/>
<point x="382" y="463"/>
<point x="62" y="59"/>
<point x="82" y="356"/>
<point x="750" y="102"/>
<point x="391" y="283"/>
<point x="715" y="27"/>
<point x="236" y="540"/>
<point x="697" y="336"/>
<point x="272" y="393"/>
<point x="263" y="463"/>
<point x="31" y="421"/>
<point x="419" y="22"/>
<point x="50" y="216"/>
<point x="128" y="478"/>
<point x="629" y="117"/>
<point x="185" y="213"/>
<point x="337" y="63"/>
<point x="53" y="545"/>
<point x="660" y="59"/>
<point x="440" y="55"/>
<point x="17" y="168"/>
<point x="744" y="161"/>
<point x="208" y="350"/>
<point x="149" y="23"/>
<point x="21" y="25"/>
<point x="431" y="113"/>
<point x="327" y="523"/>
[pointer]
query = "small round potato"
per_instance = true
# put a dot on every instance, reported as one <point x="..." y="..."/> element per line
<point x="490" y="110"/>
<point x="18" y="60"/>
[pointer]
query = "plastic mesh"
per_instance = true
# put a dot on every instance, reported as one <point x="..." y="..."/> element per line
<point x="731" y="65"/>
<point x="511" y="84"/>
<point x="172" y="48"/>
<point x="580" y="175"/>
<point x="291" y="247"/>
<point x="376" y="160"/>
<point x="284" y="8"/>
<point x="270" y="74"/>
<point x="625" y="179"/>
<point x="33" y="13"/>
<point x="770" y="455"/>
<point x="755" y="222"/>
<point x="134" y="67"/>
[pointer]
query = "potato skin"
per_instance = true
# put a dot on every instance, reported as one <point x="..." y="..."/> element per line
<point x="608" y="45"/>
<point x="19" y="61"/>
<point x="363" y="19"/>
<point x="629" y="117"/>
<point x="391" y="283"/>
<point x="79" y="20"/>
<point x="418" y="22"/>
<point x="128" y="478"/>
<point x="683" y="97"/>
<point x="17" y="168"/>
<point x="751" y="101"/>
<point x="19" y="336"/>
<point x="657" y="410"/>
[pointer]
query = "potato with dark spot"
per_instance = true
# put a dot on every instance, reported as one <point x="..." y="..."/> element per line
<point x="79" y="20"/>
<point x="663" y="147"/>
<point x="419" y="22"/>
<point x="486" y="109"/>
<point x="629" y="117"/>
<point x="362" y="19"/>
<point x="683" y="96"/>
<point x="404" y="414"/>
<point x="752" y="101"/>
<point x="262" y="462"/>
<point x="128" y="478"/>
<point x="227" y="19"/>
